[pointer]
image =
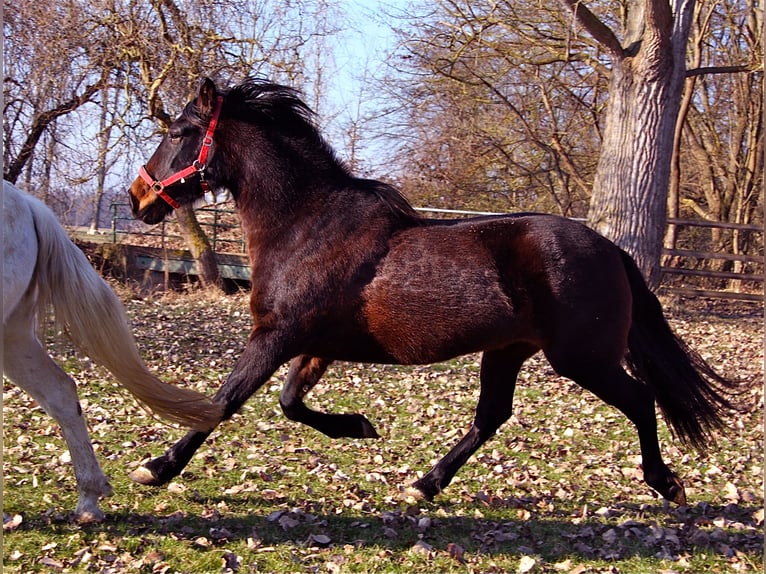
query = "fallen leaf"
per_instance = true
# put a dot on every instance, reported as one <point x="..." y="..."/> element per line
<point x="51" y="563"/>
<point x="176" y="487"/>
<point x="731" y="493"/>
<point x="526" y="564"/>
<point x="12" y="522"/>
<point x="231" y="562"/>
<point x="422" y="548"/>
<point x="287" y="522"/>
<point x="321" y="540"/>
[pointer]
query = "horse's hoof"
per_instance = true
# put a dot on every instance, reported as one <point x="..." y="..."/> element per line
<point x="411" y="495"/>
<point x="143" y="475"/>
<point x="368" y="431"/>
<point x="671" y="488"/>
<point x="89" y="516"/>
<point x="426" y="488"/>
<point x="676" y="492"/>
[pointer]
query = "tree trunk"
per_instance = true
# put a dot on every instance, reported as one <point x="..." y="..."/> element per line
<point x="630" y="190"/>
<point x="200" y="247"/>
<point x="104" y="134"/>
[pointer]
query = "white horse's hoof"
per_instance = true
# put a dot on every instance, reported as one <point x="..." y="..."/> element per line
<point x="89" y="516"/>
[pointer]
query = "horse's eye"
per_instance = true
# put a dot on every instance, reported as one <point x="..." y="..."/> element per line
<point x="174" y="137"/>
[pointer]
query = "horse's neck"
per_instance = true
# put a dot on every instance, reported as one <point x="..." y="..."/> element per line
<point x="330" y="216"/>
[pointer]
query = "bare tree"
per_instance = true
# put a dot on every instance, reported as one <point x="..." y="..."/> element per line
<point x="648" y="73"/>
<point x="156" y="52"/>
<point x="719" y="140"/>
<point x="529" y="96"/>
<point x="495" y="112"/>
<point x="40" y="85"/>
<point x="106" y="159"/>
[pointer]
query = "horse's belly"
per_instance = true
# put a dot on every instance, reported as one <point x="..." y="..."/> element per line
<point x="439" y="308"/>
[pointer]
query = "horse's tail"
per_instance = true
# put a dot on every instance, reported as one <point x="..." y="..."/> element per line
<point x="94" y="318"/>
<point x="691" y="395"/>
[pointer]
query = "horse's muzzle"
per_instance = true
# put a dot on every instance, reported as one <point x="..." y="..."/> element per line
<point x="144" y="204"/>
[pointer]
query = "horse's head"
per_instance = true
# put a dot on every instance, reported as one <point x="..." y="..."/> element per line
<point x="179" y="170"/>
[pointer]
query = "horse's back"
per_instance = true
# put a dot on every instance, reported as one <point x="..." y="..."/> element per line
<point x="20" y="246"/>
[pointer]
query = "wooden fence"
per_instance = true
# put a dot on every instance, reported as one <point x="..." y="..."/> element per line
<point x="687" y="269"/>
<point x="718" y="275"/>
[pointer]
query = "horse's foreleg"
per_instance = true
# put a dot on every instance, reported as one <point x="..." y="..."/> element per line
<point x="305" y="372"/>
<point x="28" y="365"/>
<point x="262" y="356"/>
<point x="498" y="382"/>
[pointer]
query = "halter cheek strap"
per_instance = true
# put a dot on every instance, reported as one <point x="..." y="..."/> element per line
<point x="198" y="167"/>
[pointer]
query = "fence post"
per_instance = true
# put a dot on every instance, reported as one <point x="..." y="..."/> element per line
<point x="113" y="208"/>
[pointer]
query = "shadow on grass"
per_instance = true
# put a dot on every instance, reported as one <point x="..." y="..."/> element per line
<point x="626" y="531"/>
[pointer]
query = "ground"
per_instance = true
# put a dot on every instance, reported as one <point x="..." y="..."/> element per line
<point x="558" y="489"/>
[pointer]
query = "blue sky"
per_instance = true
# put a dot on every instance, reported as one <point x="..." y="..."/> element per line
<point x="369" y="36"/>
<point x="360" y="50"/>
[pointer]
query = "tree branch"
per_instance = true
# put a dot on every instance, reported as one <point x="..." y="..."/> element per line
<point x="43" y="120"/>
<point x="705" y="70"/>
<point x="595" y="27"/>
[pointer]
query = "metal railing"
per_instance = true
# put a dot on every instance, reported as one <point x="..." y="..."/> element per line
<point x="215" y="229"/>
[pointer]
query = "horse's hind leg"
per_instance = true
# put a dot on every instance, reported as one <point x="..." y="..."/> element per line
<point x="499" y="370"/>
<point x="304" y="373"/>
<point x="615" y="387"/>
<point x="30" y="367"/>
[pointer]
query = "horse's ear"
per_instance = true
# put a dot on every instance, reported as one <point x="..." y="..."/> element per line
<point x="206" y="97"/>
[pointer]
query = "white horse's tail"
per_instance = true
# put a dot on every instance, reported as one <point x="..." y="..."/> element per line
<point x="94" y="318"/>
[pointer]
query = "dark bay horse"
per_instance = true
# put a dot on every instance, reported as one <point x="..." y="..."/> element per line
<point x="344" y="269"/>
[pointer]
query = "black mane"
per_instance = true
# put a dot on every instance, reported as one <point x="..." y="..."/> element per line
<point x="267" y="104"/>
<point x="257" y="100"/>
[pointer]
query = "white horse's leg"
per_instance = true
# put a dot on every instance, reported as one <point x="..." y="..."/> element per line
<point x="28" y="365"/>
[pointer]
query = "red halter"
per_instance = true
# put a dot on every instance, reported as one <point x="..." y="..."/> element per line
<point x="198" y="166"/>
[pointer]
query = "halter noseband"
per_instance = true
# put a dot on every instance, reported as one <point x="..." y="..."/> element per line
<point x="198" y="166"/>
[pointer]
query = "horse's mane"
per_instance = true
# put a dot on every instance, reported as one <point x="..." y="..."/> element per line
<point x="256" y="100"/>
<point x="389" y="195"/>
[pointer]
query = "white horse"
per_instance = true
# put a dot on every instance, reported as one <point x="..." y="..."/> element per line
<point x="41" y="268"/>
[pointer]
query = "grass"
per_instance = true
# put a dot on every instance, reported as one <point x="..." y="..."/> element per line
<point x="558" y="489"/>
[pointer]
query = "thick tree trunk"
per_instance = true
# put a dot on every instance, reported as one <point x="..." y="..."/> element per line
<point x="630" y="190"/>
